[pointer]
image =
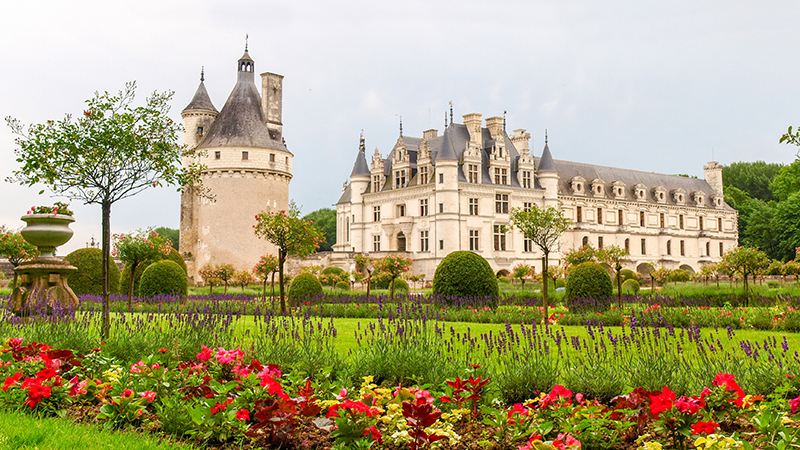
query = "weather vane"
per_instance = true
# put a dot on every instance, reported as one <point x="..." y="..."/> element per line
<point x="246" y="37"/>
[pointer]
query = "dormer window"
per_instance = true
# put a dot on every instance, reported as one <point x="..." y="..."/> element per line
<point x="640" y="192"/>
<point x="399" y="178"/>
<point x="660" y="194"/>
<point x="716" y="200"/>
<point x="618" y="189"/>
<point x="699" y="198"/>
<point x="577" y="185"/>
<point x="679" y="196"/>
<point x="598" y="187"/>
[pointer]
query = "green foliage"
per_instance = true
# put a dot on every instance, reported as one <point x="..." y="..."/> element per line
<point x="164" y="277"/>
<point x="135" y="250"/>
<point x="176" y="257"/>
<point x="747" y="262"/>
<point x="560" y="283"/>
<point x="14" y="247"/>
<point x="588" y="280"/>
<point x="172" y="235"/>
<point x="679" y="275"/>
<point x="787" y="181"/>
<point x="628" y="274"/>
<point x="462" y="274"/>
<point x="579" y="255"/>
<point x="753" y="178"/>
<point x="401" y="286"/>
<point x="325" y="221"/>
<point x="630" y="287"/>
<point x="393" y="266"/>
<point x="333" y="270"/>
<point x="343" y="285"/>
<point x="303" y="286"/>
<point x="89" y="277"/>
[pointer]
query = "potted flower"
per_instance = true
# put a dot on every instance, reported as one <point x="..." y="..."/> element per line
<point x="48" y="227"/>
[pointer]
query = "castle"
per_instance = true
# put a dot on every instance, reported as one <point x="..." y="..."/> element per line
<point x="248" y="170"/>
<point x="442" y="193"/>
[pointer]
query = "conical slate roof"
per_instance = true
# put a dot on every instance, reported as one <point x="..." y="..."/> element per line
<point x="360" y="168"/>
<point x="546" y="163"/>
<point x="241" y="122"/>
<point x="448" y="151"/>
<point x="201" y="99"/>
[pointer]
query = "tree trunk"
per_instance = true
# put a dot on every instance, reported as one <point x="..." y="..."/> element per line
<point x="369" y="281"/>
<point x="281" y="260"/>
<point x="264" y="290"/>
<point x="619" y="285"/>
<point x="105" y="330"/>
<point x="544" y="287"/>
<point x="391" y="291"/>
<point x="130" y="286"/>
<point x="273" y="285"/>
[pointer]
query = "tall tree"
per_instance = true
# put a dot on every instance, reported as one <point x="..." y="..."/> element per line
<point x="173" y="235"/>
<point x="613" y="256"/>
<point x="291" y="234"/>
<point x="15" y="248"/>
<point x="747" y="262"/>
<point x="365" y="264"/>
<point x="267" y="265"/>
<point x="325" y="220"/>
<point x="784" y="228"/>
<point x="543" y="226"/>
<point x="134" y="248"/>
<point x="751" y="177"/>
<point x="110" y="152"/>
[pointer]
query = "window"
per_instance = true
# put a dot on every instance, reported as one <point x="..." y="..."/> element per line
<point x="376" y="243"/>
<point x="401" y="210"/>
<point x="423" y="241"/>
<point x="683" y="248"/>
<point x="641" y="218"/>
<point x="669" y="247"/>
<point x="441" y="244"/>
<point x="245" y="155"/>
<point x="680" y="221"/>
<point x="719" y="224"/>
<point x="441" y="208"/>
<point x="399" y="178"/>
<point x="216" y="155"/>
<point x="376" y="183"/>
<point x="199" y="131"/>
<point x="501" y="203"/>
<point x="620" y="217"/>
<point x="286" y="160"/>
<point x="628" y="245"/>
<point x="500" y="176"/>
<point x="423" y="175"/>
<point x="644" y="246"/>
<point x="527" y="206"/>
<point x="599" y="241"/>
<point x="526" y="179"/>
<point x="585" y="241"/>
<point x="600" y="216"/>
<point x="473" y="207"/>
<point x="708" y="249"/>
<point x="661" y="219"/>
<point x="473" y="240"/>
<point x="499" y="238"/>
<point x="578" y="214"/>
<point x="272" y="157"/>
<point x="701" y="224"/>
<point x="423" y="207"/>
<point x="472" y="172"/>
<point x="376" y="213"/>
<point x="441" y="178"/>
<point x="527" y="246"/>
<point x="721" y="249"/>
<point x="347" y="236"/>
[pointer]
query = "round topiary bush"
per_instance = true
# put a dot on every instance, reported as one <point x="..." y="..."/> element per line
<point x="333" y="270"/>
<point x="176" y="256"/>
<point x="400" y="286"/>
<point x="89" y="277"/>
<point x="304" y="285"/>
<point x="630" y="287"/>
<point x="463" y="274"/>
<point x="164" y="277"/>
<point x="343" y="285"/>
<point x="588" y="288"/>
<point x="628" y="274"/>
<point x="560" y="283"/>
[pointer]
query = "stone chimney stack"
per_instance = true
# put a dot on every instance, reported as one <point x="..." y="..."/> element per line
<point x="473" y="123"/>
<point x="521" y="141"/>
<point x="714" y="176"/>
<point x="272" y="103"/>
<point x="495" y="126"/>
<point x="430" y="134"/>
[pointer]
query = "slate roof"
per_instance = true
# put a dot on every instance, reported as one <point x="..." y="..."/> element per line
<point x="241" y="122"/>
<point x="201" y="100"/>
<point x="360" y="168"/>
<point x="546" y="161"/>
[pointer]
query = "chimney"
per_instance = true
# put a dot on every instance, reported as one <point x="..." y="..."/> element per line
<point x="495" y="126"/>
<point x="272" y="103"/>
<point x="430" y="134"/>
<point x="473" y="123"/>
<point x="521" y="141"/>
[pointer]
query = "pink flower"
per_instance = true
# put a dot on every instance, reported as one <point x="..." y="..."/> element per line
<point x="243" y="415"/>
<point x="148" y="395"/>
<point x="229" y="356"/>
<point x="566" y="441"/>
<point x="205" y="353"/>
<point x="794" y="403"/>
<point x="137" y="368"/>
<point x="343" y="394"/>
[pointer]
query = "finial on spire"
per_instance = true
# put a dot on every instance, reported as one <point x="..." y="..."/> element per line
<point x="361" y="146"/>
<point x="401" y="126"/>
<point x="545" y="136"/>
<point x="504" y="120"/>
<point x="451" y="112"/>
<point x="202" y="73"/>
<point x="246" y="38"/>
<point x="445" y="120"/>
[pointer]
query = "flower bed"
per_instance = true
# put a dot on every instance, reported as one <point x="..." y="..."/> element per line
<point x="220" y="397"/>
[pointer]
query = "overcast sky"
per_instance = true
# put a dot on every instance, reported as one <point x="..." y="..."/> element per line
<point x="654" y="86"/>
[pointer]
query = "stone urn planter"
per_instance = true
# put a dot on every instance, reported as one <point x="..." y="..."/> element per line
<point x="43" y="280"/>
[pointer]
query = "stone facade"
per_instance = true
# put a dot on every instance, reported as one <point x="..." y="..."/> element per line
<point x="248" y="170"/>
<point x="438" y="194"/>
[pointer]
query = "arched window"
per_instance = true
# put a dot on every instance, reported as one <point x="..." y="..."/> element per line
<point x="586" y="240"/>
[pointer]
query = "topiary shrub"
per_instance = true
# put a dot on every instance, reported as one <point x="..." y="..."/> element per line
<point x="176" y="256"/>
<point x="164" y="277"/>
<point x="560" y="283"/>
<point x="124" y="278"/>
<point x="400" y="286"/>
<point x="628" y="274"/>
<point x="333" y="270"/>
<point x="588" y="288"/>
<point x="89" y="277"/>
<point x="304" y="285"/>
<point x="343" y="285"/>
<point x="630" y="287"/>
<point x="464" y="274"/>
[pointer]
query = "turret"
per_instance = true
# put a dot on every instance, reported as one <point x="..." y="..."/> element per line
<point x="359" y="177"/>
<point x="548" y="176"/>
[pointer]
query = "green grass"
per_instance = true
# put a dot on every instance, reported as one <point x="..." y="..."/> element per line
<point x="20" y="432"/>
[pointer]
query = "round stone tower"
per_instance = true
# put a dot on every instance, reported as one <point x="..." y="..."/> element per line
<point x="248" y="169"/>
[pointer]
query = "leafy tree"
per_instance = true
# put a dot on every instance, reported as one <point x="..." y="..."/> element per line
<point x="110" y="152"/>
<point x="758" y="232"/>
<point x="224" y="273"/>
<point x="393" y="266"/>
<point x="243" y="278"/>
<point x="520" y="271"/>
<point x="543" y="226"/>
<point x="580" y="255"/>
<point x="291" y="234"/>
<point x="747" y="262"/>
<point x="209" y="274"/>
<point x="15" y="248"/>
<point x="752" y="178"/>
<point x="134" y="248"/>
<point x="659" y="276"/>
<point x="792" y="268"/>
<point x="170" y="234"/>
<point x="325" y="220"/>
<point x="613" y="256"/>
<point x="266" y="266"/>
<point x="784" y="228"/>
<point x="365" y="264"/>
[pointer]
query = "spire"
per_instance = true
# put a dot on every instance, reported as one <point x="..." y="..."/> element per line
<point x="202" y="74"/>
<point x="360" y="168"/>
<point x="361" y="146"/>
<point x="451" y="112"/>
<point x="504" y="121"/>
<point x="401" y="126"/>
<point x="445" y="120"/>
<point x="201" y="99"/>
<point x="546" y="162"/>
<point x="246" y="38"/>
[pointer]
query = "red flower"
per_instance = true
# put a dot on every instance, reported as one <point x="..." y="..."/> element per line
<point x="205" y="353"/>
<point x="704" y="427"/>
<point x="373" y="434"/>
<point x="662" y="401"/>
<point x="148" y="395"/>
<point x="794" y="403"/>
<point x="127" y="393"/>
<point x="10" y="381"/>
<point x="243" y="415"/>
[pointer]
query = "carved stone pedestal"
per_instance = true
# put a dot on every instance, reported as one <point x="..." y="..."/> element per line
<point x="43" y="283"/>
